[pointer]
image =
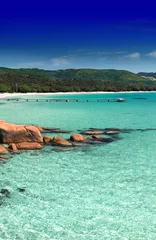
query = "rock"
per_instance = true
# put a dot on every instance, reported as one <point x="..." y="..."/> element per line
<point x="63" y="149"/>
<point x="98" y="140"/>
<point x="3" y="150"/>
<point x="12" y="133"/>
<point x="113" y="129"/>
<point x="94" y="137"/>
<point x="92" y="142"/>
<point x="28" y="146"/>
<point x="5" y="145"/>
<point x="93" y="132"/>
<point x="39" y="128"/>
<point x="126" y="130"/>
<point x="3" y="158"/>
<point x="13" y="147"/>
<point x="51" y="130"/>
<point x="77" y="137"/>
<point x="60" y="141"/>
<point x="47" y="139"/>
<point x="5" y="192"/>
<point x="107" y="140"/>
<point x="21" y="189"/>
<point x="80" y="144"/>
<point x="61" y="131"/>
<point x="111" y="132"/>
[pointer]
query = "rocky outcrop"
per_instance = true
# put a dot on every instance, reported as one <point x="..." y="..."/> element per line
<point x="27" y="137"/>
<point x="28" y="146"/>
<point x="77" y="137"/>
<point x="47" y="139"/>
<point x="60" y="141"/>
<point x="12" y="133"/>
<point x="3" y="150"/>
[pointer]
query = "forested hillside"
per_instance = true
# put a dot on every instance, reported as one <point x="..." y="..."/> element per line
<point x="39" y="80"/>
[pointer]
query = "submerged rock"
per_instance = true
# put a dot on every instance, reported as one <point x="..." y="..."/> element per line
<point x="61" y="131"/>
<point x="60" y="141"/>
<point x="145" y="129"/>
<point x="5" y="192"/>
<point x="21" y="189"/>
<point x="64" y="149"/>
<point x="92" y="142"/>
<point x="3" y="150"/>
<point x="127" y="130"/>
<point x="99" y="140"/>
<point x="107" y="140"/>
<point x="92" y="132"/>
<point x="80" y="144"/>
<point x="3" y="159"/>
<point x="54" y="130"/>
<point x="113" y="129"/>
<point x="112" y="132"/>
<point x="93" y="137"/>
<point x="12" y="133"/>
<point x="49" y="129"/>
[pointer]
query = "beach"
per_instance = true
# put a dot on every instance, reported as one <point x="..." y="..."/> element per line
<point x="4" y="95"/>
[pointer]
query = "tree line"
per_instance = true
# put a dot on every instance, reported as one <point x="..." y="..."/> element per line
<point x="72" y="80"/>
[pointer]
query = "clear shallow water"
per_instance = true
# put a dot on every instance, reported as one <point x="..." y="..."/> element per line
<point x="98" y="192"/>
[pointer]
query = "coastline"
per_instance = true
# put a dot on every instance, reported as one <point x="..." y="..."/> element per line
<point x="4" y="95"/>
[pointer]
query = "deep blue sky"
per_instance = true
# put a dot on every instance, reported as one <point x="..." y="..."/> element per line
<point x="78" y="34"/>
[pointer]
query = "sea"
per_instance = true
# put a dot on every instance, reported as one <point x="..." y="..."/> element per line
<point x="94" y="192"/>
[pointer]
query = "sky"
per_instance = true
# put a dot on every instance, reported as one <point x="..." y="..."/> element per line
<point x="78" y="34"/>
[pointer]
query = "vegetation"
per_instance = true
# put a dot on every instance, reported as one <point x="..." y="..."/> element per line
<point x="147" y="74"/>
<point x="39" y="80"/>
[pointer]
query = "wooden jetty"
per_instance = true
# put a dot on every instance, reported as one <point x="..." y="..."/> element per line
<point x="64" y="99"/>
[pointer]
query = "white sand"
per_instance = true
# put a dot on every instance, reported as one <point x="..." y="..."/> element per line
<point x="5" y="95"/>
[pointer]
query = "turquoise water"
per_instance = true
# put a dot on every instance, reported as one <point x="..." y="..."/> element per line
<point x="95" y="192"/>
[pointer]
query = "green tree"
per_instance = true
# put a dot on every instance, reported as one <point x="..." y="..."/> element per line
<point x="24" y="88"/>
<point x="3" y="88"/>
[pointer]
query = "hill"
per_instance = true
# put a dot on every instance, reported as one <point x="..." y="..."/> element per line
<point x="40" y="80"/>
<point x="149" y="75"/>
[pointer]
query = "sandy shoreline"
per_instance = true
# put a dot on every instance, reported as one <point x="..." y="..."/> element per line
<point x="4" y="95"/>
